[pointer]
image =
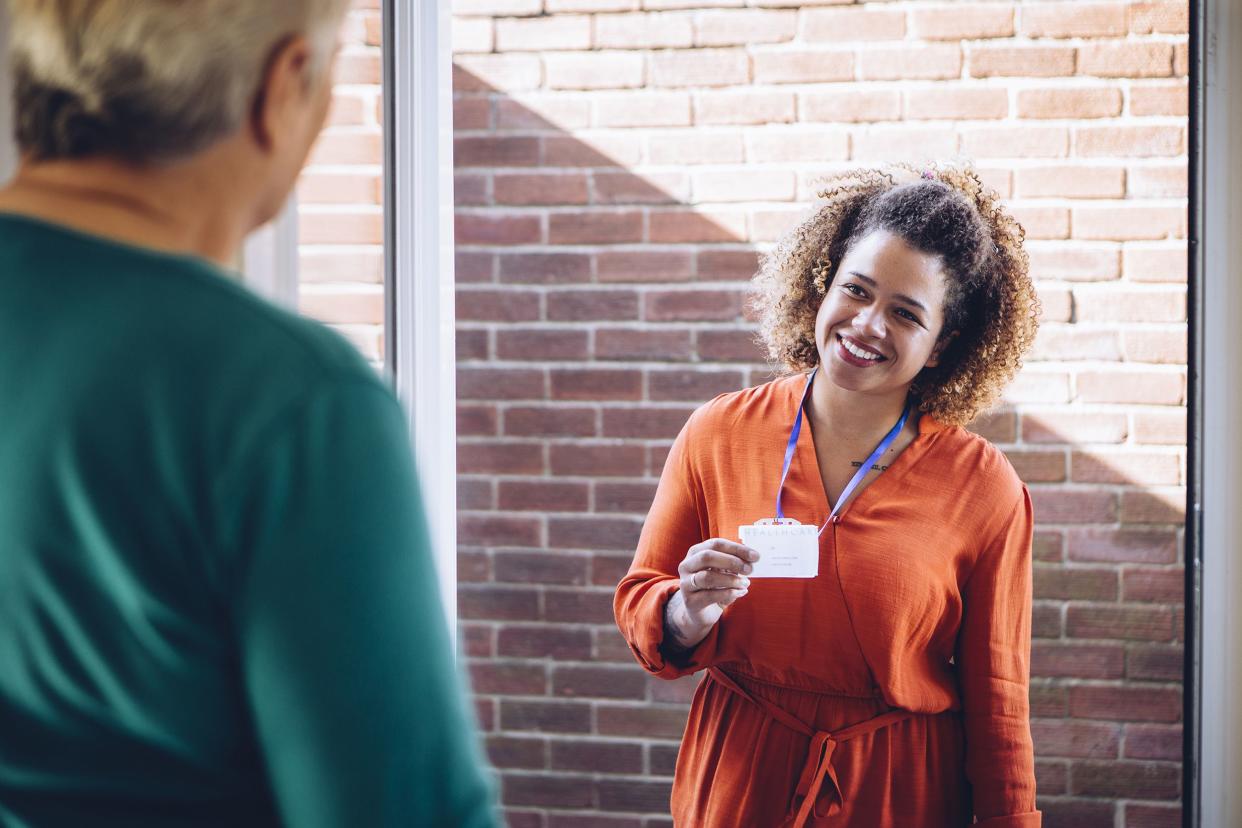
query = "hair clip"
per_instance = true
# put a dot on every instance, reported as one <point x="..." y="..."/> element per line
<point x="929" y="174"/>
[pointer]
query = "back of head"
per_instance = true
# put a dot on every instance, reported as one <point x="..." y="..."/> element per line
<point x="148" y="81"/>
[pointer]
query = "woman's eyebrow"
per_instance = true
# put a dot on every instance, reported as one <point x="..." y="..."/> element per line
<point x="901" y="297"/>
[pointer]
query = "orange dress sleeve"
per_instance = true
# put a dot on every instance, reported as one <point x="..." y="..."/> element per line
<point x="677" y="521"/>
<point x="993" y="662"/>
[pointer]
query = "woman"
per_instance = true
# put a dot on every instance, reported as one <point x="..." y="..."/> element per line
<point x="890" y="689"/>
<point x="217" y="599"/>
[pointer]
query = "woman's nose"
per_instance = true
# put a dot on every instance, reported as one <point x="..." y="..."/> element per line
<point x="871" y="321"/>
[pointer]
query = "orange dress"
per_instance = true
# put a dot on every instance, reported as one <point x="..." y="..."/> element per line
<point x="891" y="690"/>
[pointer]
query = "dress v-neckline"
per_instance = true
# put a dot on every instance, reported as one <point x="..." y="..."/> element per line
<point x="808" y="462"/>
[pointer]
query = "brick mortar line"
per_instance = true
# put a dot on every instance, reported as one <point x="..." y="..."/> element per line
<point x="632" y="405"/>
<point x="557" y="478"/>
<point x="571" y="737"/>
<point x="359" y="170"/>
<point x="537" y="95"/>
<point x="1102" y="162"/>
<point x="743" y="209"/>
<point x="1090" y="565"/>
<point x="595" y="249"/>
<point x="837" y="128"/>
<point x="605" y="365"/>
<point x="911" y="35"/>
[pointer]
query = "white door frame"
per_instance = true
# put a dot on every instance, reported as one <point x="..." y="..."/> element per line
<point x="418" y="252"/>
<point x="1215" y="508"/>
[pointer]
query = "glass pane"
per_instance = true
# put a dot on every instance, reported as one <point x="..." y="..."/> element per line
<point x="621" y="166"/>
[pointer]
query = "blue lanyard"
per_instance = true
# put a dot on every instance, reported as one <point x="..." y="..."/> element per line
<point x="858" y="475"/>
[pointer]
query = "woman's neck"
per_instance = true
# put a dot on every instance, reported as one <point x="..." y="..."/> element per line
<point x="184" y="209"/>
<point x="852" y="417"/>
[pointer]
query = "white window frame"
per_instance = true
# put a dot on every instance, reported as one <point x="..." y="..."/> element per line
<point x="419" y="256"/>
<point x="1215" y="513"/>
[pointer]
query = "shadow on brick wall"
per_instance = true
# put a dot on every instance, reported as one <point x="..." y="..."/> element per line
<point x="597" y="307"/>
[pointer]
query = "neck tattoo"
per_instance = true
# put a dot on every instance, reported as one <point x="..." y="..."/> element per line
<point x="858" y="464"/>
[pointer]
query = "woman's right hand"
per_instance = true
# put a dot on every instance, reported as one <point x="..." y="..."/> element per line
<point x="713" y="576"/>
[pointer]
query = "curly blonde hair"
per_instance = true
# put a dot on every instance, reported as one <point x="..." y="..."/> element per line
<point x="943" y="211"/>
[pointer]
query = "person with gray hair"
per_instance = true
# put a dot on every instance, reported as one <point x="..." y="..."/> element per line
<point x="217" y="601"/>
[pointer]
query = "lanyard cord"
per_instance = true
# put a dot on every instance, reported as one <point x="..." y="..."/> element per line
<point x="858" y="475"/>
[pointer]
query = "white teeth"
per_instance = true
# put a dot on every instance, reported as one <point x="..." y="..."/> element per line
<point x="858" y="352"/>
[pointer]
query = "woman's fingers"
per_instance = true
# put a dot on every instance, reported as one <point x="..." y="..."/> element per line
<point x="722" y="561"/>
<point x="697" y="601"/>
<point x="727" y="547"/>
<point x="705" y="579"/>
<point x="713" y="574"/>
<point x="719" y="554"/>
<point x="724" y="597"/>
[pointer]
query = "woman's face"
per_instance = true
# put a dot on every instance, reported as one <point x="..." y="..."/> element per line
<point x="880" y="322"/>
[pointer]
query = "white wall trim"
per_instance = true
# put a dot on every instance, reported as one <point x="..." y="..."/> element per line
<point x="419" y="253"/>
<point x="1220" y="712"/>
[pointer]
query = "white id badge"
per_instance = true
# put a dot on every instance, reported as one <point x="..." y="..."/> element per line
<point x="786" y="550"/>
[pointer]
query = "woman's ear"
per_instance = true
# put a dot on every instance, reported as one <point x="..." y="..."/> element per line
<point x="938" y="350"/>
<point x="281" y="94"/>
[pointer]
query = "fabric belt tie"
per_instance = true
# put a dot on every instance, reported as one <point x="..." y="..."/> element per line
<point x="818" y="790"/>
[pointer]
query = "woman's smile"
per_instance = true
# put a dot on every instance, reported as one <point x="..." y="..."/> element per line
<point x="853" y="352"/>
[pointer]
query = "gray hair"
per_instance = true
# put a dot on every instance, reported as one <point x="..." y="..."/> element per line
<point x="149" y="80"/>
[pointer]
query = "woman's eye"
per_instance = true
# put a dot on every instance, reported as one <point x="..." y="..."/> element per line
<point x="853" y="289"/>
<point x="905" y="314"/>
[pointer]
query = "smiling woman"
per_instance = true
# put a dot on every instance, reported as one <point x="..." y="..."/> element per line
<point x="881" y="641"/>
<point x="989" y="308"/>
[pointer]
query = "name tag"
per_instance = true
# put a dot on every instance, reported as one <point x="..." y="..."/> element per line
<point x="786" y="550"/>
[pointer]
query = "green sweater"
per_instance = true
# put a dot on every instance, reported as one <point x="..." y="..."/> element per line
<point x="217" y="601"/>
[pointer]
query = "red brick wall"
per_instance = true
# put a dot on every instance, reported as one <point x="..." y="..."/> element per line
<point x="340" y="195"/>
<point x="618" y="168"/>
